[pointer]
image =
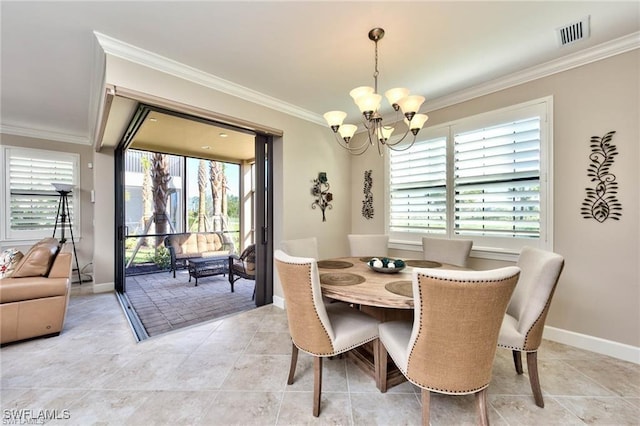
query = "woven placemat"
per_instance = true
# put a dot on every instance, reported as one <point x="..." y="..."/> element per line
<point x="341" y="278"/>
<point x="334" y="264"/>
<point x="423" y="263"/>
<point x="402" y="288"/>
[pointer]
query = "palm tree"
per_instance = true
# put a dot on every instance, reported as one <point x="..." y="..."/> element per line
<point x="202" y="186"/>
<point x="160" y="178"/>
<point x="217" y="178"/>
<point x="147" y="195"/>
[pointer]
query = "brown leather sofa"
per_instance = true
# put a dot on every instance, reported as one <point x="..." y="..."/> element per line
<point x="33" y="301"/>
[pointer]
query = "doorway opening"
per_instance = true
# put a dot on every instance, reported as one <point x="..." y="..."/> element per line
<point x="187" y="206"/>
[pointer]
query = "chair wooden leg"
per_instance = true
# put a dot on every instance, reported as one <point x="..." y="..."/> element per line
<point x="317" y="385"/>
<point x="294" y="361"/>
<point x="380" y="363"/>
<point x="426" y="402"/>
<point x="481" y="400"/>
<point x="517" y="361"/>
<point x="532" y="365"/>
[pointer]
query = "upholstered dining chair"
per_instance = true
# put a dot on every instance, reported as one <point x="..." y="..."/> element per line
<point x="368" y="245"/>
<point x="302" y="247"/>
<point x="319" y="330"/>
<point x="448" y="348"/>
<point x="453" y="252"/>
<point x="527" y="311"/>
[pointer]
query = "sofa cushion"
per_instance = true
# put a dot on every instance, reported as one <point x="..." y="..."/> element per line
<point x="192" y="244"/>
<point x="38" y="259"/>
<point x="209" y="243"/>
<point x="203" y="254"/>
<point x="9" y="259"/>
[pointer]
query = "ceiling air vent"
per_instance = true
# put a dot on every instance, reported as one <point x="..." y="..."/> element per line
<point x="574" y="32"/>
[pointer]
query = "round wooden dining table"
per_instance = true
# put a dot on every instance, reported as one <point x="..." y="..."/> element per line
<point x="350" y="279"/>
<point x="385" y="296"/>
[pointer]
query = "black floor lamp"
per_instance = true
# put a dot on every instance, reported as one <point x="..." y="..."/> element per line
<point x="64" y="218"/>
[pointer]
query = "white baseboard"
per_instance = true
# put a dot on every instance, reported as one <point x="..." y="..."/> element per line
<point x="593" y="344"/>
<point x="278" y="301"/>
<point x="103" y="287"/>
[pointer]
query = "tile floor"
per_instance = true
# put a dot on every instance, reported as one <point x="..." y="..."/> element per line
<point x="164" y="303"/>
<point x="233" y="371"/>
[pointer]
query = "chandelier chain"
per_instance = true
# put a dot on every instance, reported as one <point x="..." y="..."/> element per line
<point x="376" y="72"/>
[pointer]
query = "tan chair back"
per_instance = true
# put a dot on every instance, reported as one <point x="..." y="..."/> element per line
<point x="368" y="245"/>
<point x="302" y="247"/>
<point x="457" y="320"/>
<point x="453" y="252"/>
<point x="309" y="324"/>
<point x="532" y="297"/>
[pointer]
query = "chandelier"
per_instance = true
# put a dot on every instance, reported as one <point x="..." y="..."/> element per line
<point x="368" y="101"/>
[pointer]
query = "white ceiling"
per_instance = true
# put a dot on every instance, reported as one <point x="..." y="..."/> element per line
<point x="308" y="54"/>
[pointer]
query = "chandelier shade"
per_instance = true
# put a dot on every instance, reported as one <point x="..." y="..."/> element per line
<point x="369" y="101"/>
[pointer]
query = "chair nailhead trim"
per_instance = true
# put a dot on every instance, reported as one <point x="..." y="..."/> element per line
<point x="418" y="337"/>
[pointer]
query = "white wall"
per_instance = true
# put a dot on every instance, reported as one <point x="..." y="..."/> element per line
<point x="599" y="292"/>
<point x="104" y="221"/>
<point x="304" y="150"/>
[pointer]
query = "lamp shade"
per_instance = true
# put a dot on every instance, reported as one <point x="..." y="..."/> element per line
<point x="394" y="95"/>
<point x="417" y="121"/>
<point x="411" y="104"/>
<point x="384" y="132"/>
<point x="335" y="118"/>
<point x="347" y="131"/>
<point x="369" y="103"/>
<point x="62" y="187"/>
<point x="360" y="91"/>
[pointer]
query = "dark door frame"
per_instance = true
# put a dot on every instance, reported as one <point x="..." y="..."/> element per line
<point x="263" y="214"/>
<point x="264" y="219"/>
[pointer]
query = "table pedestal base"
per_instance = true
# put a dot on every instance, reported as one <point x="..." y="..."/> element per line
<point x="365" y="356"/>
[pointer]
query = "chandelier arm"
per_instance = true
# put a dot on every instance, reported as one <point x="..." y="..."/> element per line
<point x="392" y="147"/>
<point x="369" y="124"/>
<point x="358" y="150"/>
<point x="399" y="140"/>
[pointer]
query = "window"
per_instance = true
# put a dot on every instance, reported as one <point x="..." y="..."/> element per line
<point x="31" y="202"/>
<point x="483" y="178"/>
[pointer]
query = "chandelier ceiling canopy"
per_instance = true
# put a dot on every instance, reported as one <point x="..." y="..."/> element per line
<point x="368" y="101"/>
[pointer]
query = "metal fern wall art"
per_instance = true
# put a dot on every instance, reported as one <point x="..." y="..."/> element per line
<point x="601" y="202"/>
<point x="367" y="203"/>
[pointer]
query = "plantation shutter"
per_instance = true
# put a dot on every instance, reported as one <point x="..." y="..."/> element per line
<point x="497" y="180"/>
<point x="418" y="194"/>
<point x="33" y="201"/>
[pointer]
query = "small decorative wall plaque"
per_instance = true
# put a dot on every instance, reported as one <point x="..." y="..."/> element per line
<point x="367" y="203"/>
<point x="320" y="190"/>
<point x="601" y="202"/>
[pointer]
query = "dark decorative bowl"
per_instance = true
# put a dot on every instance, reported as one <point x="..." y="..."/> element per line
<point x="384" y="268"/>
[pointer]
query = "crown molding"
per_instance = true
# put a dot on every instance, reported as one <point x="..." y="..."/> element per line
<point x="157" y="62"/>
<point x="574" y="60"/>
<point x="46" y="134"/>
<point x="131" y="53"/>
